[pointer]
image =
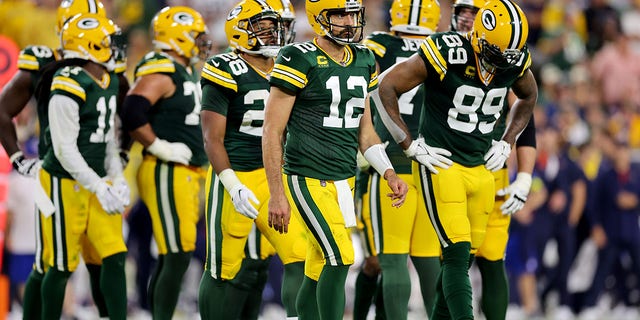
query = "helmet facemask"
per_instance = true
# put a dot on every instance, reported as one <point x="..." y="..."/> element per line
<point x="346" y="33"/>
<point x="288" y="25"/>
<point x="493" y="59"/>
<point x="264" y="38"/>
<point x="465" y="15"/>
<point x="202" y="47"/>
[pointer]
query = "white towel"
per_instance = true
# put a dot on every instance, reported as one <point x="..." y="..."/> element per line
<point x="42" y="200"/>
<point x="345" y="201"/>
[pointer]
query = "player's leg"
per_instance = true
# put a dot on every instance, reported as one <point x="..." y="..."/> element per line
<point x="329" y="241"/>
<point x="32" y="301"/>
<point x="291" y="246"/>
<point x="490" y="257"/>
<point x="459" y="222"/>
<point x="104" y="232"/>
<point x="170" y="192"/>
<point x="94" y="266"/>
<point x="226" y="235"/>
<point x="63" y="230"/>
<point x="392" y="229"/>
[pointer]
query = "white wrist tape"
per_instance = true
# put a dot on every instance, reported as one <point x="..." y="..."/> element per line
<point x="378" y="158"/>
<point x="229" y="179"/>
<point x="15" y="156"/>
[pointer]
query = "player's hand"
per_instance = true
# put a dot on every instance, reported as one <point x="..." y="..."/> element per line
<point x="26" y="167"/>
<point x="242" y="198"/>
<point x="430" y="157"/>
<point x="177" y="152"/>
<point x="497" y="155"/>
<point x="109" y="198"/>
<point x="122" y="190"/>
<point x="517" y="192"/>
<point x="279" y="213"/>
<point x="398" y="187"/>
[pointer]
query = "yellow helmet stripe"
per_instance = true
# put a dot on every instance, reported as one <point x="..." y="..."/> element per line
<point x="263" y="4"/>
<point x="516" y="26"/>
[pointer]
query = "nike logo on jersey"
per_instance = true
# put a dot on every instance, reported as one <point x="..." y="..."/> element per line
<point x="215" y="64"/>
<point x="286" y="58"/>
<point x="438" y="44"/>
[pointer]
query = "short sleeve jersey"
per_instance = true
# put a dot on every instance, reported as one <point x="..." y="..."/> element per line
<point x="233" y="88"/>
<point x="177" y="118"/>
<point x="460" y="109"/>
<point x="34" y="59"/>
<point x="322" y="132"/>
<point x="97" y="110"/>
<point x="389" y="50"/>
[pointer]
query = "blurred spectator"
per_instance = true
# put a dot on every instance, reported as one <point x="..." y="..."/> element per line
<point x="630" y="20"/>
<point x="601" y="19"/>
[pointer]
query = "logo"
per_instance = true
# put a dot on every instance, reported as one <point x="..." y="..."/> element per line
<point x="183" y="18"/>
<point x="214" y="63"/>
<point x="287" y="59"/>
<point x="88" y="23"/>
<point x="234" y="13"/>
<point x="489" y="19"/>
<point x="322" y="61"/>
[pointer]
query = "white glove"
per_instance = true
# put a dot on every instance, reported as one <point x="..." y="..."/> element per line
<point x="109" y="198"/>
<point x="122" y="190"/>
<point x="518" y="192"/>
<point x="241" y="196"/>
<point x="26" y="167"/>
<point x="430" y="157"/>
<point x="497" y="155"/>
<point x="170" y="151"/>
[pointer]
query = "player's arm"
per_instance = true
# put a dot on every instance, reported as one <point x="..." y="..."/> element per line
<point x="395" y="81"/>
<point x="373" y="150"/>
<point x="277" y="111"/>
<point x="145" y="92"/>
<point x="526" y="91"/>
<point x="13" y="98"/>
<point x="213" y="130"/>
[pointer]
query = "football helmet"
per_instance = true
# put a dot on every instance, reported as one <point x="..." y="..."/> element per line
<point x="246" y="33"/>
<point x="89" y="36"/>
<point x="499" y="34"/>
<point x="182" y="30"/>
<point x="285" y="9"/>
<point x="458" y="21"/>
<point x="319" y="15"/>
<point x="70" y="8"/>
<point x="419" y="17"/>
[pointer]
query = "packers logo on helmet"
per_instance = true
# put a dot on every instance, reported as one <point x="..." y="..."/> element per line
<point x="255" y="27"/>
<point x="499" y="34"/>
<point x="70" y="8"/>
<point x="319" y="13"/>
<point x="182" y="30"/>
<point x="90" y="37"/>
<point x="418" y="17"/>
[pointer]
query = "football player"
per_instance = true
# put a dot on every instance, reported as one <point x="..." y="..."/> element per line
<point x="14" y="97"/>
<point x="235" y="87"/>
<point x="82" y="171"/>
<point x="393" y="235"/>
<point x="510" y="198"/>
<point x="466" y="79"/>
<point x="162" y="112"/>
<point x="319" y="94"/>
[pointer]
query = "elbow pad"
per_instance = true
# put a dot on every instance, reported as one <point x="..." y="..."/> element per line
<point x="134" y="112"/>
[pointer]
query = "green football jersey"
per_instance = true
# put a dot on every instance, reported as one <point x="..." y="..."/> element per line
<point x="34" y="59"/>
<point x="177" y="118"/>
<point x="461" y="106"/>
<point x="97" y="110"/>
<point x="389" y="50"/>
<point x="322" y="132"/>
<point x="234" y="89"/>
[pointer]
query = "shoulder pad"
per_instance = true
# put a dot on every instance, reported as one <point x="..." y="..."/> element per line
<point x="34" y="58"/>
<point x="155" y="62"/>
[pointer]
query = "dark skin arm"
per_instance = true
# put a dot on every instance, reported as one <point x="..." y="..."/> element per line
<point x="14" y="97"/>
<point x="526" y="91"/>
<point x="397" y="80"/>
<point x="213" y="130"/>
